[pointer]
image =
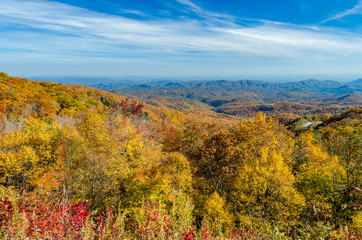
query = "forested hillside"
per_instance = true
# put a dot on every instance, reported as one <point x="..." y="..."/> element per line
<point x="81" y="163"/>
<point x="244" y="98"/>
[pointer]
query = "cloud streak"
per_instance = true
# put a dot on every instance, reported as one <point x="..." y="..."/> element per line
<point x="191" y="5"/>
<point x="57" y="29"/>
<point x="357" y="9"/>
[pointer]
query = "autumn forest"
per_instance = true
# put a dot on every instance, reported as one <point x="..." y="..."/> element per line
<point x="81" y="163"/>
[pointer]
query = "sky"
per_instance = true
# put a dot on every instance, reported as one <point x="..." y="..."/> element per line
<point x="181" y="38"/>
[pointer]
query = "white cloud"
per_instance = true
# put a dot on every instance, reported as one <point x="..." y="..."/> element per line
<point x="191" y="5"/>
<point x="211" y="17"/>
<point x="62" y="30"/>
<point x="135" y="12"/>
<point x="357" y="9"/>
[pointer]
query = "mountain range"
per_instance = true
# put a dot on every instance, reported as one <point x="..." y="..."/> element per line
<point x="244" y="98"/>
<point x="314" y="85"/>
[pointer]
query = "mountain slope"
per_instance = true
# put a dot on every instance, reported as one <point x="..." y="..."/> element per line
<point x="20" y="96"/>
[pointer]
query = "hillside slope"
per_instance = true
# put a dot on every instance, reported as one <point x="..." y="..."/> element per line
<point x="80" y="163"/>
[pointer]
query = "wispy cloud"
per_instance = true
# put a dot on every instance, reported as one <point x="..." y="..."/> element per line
<point x="357" y="9"/>
<point x="211" y="17"/>
<point x="191" y="5"/>
<point x="135" y="12"/>
<point x="57" y="29"/>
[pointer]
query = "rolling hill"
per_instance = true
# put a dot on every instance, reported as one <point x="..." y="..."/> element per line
<point x="246" y="97"/>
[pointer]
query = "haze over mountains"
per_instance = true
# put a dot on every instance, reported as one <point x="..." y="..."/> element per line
<point x="327" y="86"/>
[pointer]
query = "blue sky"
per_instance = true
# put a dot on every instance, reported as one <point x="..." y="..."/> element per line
<point x="176" y="38"/>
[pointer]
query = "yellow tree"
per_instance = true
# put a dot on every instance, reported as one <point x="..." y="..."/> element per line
<point x="26" y="153"/>
<point x="103" y="162"/>
<point x="265" y="192"/>
<point x="179" y="169"/>
<point x="264" y="189"/>
<point x="345" y="142"/>
<point x="249" y="165"/>
<point x="319" y="179"/>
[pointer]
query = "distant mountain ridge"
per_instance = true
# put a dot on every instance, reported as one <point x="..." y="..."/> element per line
<point x="355" y="83"/>
<point x="313" y="85"/>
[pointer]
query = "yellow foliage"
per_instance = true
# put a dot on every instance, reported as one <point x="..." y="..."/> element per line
<point x="318" y="178"/>
<point x="147" y="184"/>
<point x="217" y="212"/>
<point x="265" y="190"/>
<point x="27" y="153"/>
<point x="178" y="167"/>
<point x="357" y="222"/>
